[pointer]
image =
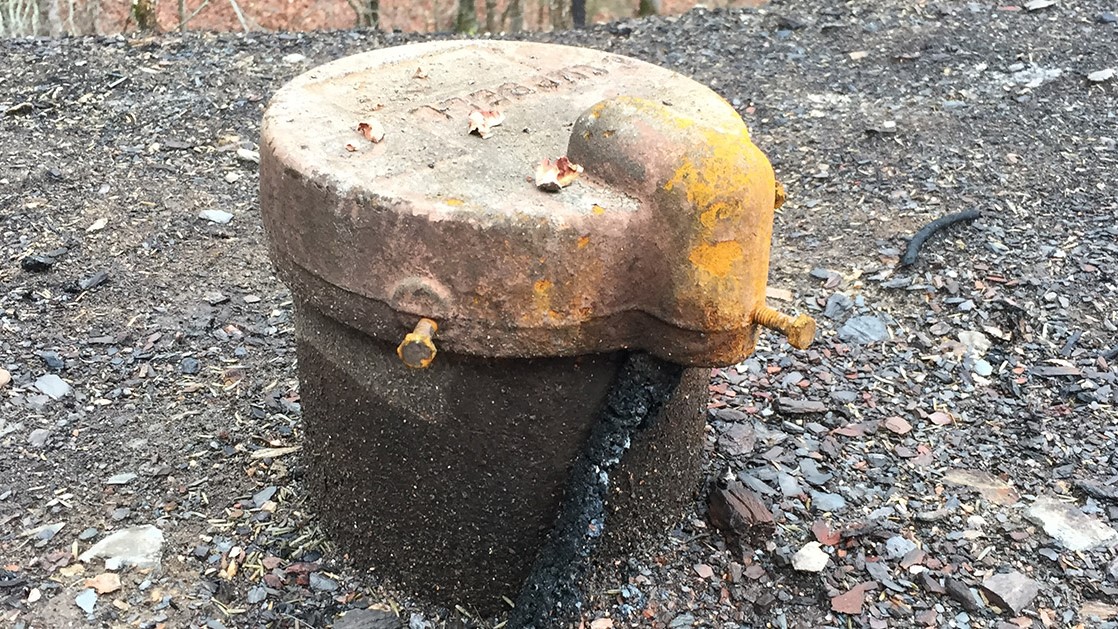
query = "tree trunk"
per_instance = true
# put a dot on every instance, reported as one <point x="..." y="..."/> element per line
<point x="467" y="17"/>
<point x="560" y="13"/>
<point x="367" y="11"/>
<point x="54" y="18"/>
<point x="21" y="18"/>
<point x="144" y="12"/>
<point x="649" y="7"/>
<point x="578" y="13"/>
<point x="492" y="19"/>
<point x="513" y="16"/>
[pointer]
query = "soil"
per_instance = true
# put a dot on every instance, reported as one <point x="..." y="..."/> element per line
<point x="947" y="443"/>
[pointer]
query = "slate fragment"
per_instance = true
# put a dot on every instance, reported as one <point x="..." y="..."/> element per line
<point x="740" y="514"/>
<point x="1012" y="591"/>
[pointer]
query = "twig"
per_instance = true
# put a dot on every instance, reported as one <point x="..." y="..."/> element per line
<point x="182" y="24"/>
<point x="240" y="16"/>
<point x="921" y="236"/>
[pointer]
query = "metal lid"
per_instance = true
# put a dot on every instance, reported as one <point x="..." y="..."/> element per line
<point x="662" y="244"/>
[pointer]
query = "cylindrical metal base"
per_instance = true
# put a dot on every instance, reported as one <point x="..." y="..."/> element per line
<point x="447" y="480"/>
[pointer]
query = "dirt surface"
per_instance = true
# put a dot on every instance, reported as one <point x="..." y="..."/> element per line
<point x="948" y="443"/>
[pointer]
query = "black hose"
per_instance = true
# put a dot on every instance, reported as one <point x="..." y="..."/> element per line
<point x="924" y="234"/>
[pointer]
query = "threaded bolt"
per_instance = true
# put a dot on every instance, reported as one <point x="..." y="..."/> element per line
<point x="417" y="350"/>
<point x="799" y="330"/>
<point x="781" y="196"/>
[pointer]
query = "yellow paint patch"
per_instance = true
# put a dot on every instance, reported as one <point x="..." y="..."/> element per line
<point x="717" y="259"/>
<point x="598" y="210"/>
<point x="454" y="202"/>
<point x="583" y="241"/>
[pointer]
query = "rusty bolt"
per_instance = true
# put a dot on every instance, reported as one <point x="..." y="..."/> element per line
<point x="417" y="350"/>
<point x="799" y="330"/>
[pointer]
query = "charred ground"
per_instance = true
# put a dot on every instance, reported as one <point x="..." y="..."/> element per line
<point x="878" y="116"/>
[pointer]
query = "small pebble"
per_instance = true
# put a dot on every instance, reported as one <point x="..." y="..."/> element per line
<point x="190" y="366"/>
<point x="38" y="438"/>
<point x="220" y="217"/>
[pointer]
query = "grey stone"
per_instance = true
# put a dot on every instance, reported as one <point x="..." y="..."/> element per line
<point x="1012" y="591"/>
<point x="52" y="386"/>
<point x="120" y="479"/>
<point x="897" y="547"/>
<point x="44" y="533"/>
<point x="863" y="329"/>
<point x="368" y="619"/>
<point x="837" y="306"/>
<point x="738" y="439"/>
<point x="257" y="594"/>
<point x="822" y="501"/>
<point x="87" y="534"/>
<point x="139" y="546"/>
<point x="86" y="599"/>
<point x="800" y="407"/>
<point x="264" y="495"/>
<point x="810" y="471"/>
<point x="322" y="584"/>
<point x="38" y="437"/>
<point x="789" y="486"/>
<point x="962" y="594"/>
<point x="53" y="361"/>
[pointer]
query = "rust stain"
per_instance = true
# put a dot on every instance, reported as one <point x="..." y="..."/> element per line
<point x="583" y="241"/>
<point x="717" y="259"/>
<point x="716" y="186"/>
<point x="542" y="289"/>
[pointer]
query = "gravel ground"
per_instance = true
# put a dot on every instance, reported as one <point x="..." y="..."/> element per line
<point x="942" y="457"/>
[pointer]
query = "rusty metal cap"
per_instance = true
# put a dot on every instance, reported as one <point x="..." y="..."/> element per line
<point x="661" y="244"/>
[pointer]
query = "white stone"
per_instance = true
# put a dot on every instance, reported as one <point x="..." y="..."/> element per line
<point x="810" y="558"/>
<point x="139" y="546"/>
<point x="1074" y="529"/>
<point x="220" y="217"/>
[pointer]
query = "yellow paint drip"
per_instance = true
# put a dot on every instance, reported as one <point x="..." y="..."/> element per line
<point x="454" y="202"/>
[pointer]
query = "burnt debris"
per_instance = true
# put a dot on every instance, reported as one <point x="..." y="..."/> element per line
<point x="551" y="595"/>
